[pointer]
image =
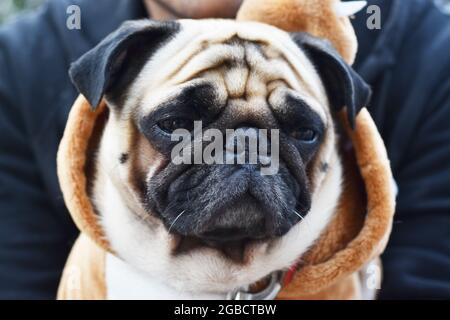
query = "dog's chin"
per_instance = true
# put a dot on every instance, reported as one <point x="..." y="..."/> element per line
<point x="233" y="242"/>
<point x="236" y="251"/>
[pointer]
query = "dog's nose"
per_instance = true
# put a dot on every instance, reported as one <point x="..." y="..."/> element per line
<point x="249" y="144"/>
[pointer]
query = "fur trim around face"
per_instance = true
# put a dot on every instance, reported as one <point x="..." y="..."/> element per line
<point x="71" y="164"/>
<point x="318" y="18"/>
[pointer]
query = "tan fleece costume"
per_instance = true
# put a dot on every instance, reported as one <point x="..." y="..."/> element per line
<point x="358" y="232"/>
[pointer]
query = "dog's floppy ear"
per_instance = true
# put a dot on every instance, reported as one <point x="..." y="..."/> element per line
<point x="345" y="88"/>
<point x="96" y="72"/>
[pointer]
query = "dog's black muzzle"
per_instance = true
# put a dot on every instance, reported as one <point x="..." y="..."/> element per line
<point x="226" y="203"/>
<point x="229" y="204"/>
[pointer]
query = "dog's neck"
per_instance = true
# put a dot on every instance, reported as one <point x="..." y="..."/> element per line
<point x="123" y="281"/>
<point x="126" y="282"/>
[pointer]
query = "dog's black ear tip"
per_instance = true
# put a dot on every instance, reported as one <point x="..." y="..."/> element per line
<point x="95" y="103"/>
<point x="367" y="94"/>
<point x="92" y="95"/>
<point x="351" y="122"/>
<point x="360" y="101"/>
<point x="351" y="117"/>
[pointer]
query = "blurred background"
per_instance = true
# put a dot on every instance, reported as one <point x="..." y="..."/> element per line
<point x="444" y="4"/>
<point x="10" y="8"/>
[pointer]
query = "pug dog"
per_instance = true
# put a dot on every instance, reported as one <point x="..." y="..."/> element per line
<point x="196" y="229"/>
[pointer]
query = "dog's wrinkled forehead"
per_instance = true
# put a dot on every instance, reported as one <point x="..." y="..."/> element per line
<point x="232" y="59"/>
<point x="240" y="59"/>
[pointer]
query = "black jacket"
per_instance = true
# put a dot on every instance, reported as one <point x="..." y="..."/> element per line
<point x="407" y="62"/>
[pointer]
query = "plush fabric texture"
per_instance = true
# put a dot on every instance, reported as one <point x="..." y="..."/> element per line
<point x="84" y="275"/>
<point x="359" y="230"/>
<point x="71" y="163"/>
<point x="312" y="16"/>
<point x="346" y="247"/>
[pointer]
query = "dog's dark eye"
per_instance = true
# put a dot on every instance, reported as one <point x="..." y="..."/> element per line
<point x="172" y="124"/>
<point x="304" y="134"/>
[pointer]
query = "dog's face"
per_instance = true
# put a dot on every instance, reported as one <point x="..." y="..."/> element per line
<point x="196" y="222"/>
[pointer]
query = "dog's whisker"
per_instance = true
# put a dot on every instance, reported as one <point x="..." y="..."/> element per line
<point x="303" y="220"/>
<point x="175" y="220"/>
<point x="298" y="214"/>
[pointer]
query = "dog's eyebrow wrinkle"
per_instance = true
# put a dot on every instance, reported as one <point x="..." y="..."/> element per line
<point x="200" y="98"/>
<point x="214" y="56"/>
<point x="267" y="64"/>
<point x="180" y="66"/>
<point x="290" y="108"/>
<point x="235" y="79"/>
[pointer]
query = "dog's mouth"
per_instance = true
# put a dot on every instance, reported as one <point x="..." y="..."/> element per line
<point x="229" y="209"/>
<point x="235" y="250"/>
<point x="231" y="231"/>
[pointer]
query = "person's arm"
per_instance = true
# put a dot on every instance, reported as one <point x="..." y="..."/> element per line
<point x="36" y="231"/>
<point x="33" y="244"/>
<point x="417" y="260"/>
<point x="406" y="63"/>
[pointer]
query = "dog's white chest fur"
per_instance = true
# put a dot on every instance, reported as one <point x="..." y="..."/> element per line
<point x="126" y="282"/>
